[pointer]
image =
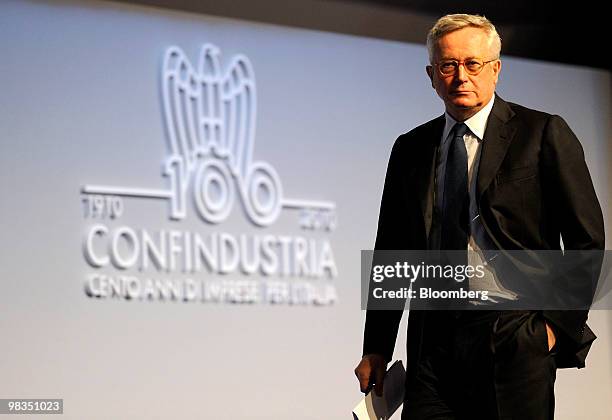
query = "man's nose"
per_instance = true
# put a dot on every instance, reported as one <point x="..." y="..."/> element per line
<point x="460" y="73"/>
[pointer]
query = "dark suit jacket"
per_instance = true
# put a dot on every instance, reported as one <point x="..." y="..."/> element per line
<point x="533" y="186"/>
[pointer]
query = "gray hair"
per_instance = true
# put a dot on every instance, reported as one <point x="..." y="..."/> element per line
<point x="450" y="23"/>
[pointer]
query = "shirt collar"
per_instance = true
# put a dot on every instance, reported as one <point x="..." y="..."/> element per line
<point x="477" y="123"/>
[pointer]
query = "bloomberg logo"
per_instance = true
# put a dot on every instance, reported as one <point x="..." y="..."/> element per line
<point x="209" y="117"/>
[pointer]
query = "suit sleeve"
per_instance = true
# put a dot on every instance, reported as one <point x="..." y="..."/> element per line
<point x="580" y="220"/>
<point x="381" y="326"/>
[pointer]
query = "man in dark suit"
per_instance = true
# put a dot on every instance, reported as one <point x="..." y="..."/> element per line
<point x="487" y="174"/>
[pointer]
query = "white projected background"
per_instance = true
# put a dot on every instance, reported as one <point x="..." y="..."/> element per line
<point x="81" y="106"/>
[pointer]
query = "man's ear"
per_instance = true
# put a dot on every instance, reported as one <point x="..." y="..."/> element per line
<point x="429" y="70"/>
<point x="496" y="66"/>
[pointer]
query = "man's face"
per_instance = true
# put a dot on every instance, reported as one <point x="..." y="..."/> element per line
<point x="464" y="94"/>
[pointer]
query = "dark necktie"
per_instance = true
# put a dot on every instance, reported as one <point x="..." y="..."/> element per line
<point x="456" y="204"/>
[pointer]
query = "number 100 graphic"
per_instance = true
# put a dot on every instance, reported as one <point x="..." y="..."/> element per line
<point x="210" y="119"/>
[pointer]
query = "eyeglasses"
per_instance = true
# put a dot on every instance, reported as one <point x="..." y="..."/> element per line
<point x="473" y="66"/>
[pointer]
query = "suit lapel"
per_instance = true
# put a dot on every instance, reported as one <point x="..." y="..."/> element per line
<point x="426" y="171"/>
<point x="497" y="138"/>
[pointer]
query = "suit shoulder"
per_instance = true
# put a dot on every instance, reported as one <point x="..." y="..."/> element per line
<point x="539" y="120"/>
<point x="419" y="134"/>
<point x="522" y="112"/>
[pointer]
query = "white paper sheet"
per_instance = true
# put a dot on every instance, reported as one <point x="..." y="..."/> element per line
<point x="373" y="407"/>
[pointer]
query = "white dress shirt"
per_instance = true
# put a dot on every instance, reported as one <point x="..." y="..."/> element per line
<point x="479" y="238"/>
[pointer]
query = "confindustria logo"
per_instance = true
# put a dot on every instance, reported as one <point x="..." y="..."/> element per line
<point x="210" y="117"/>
